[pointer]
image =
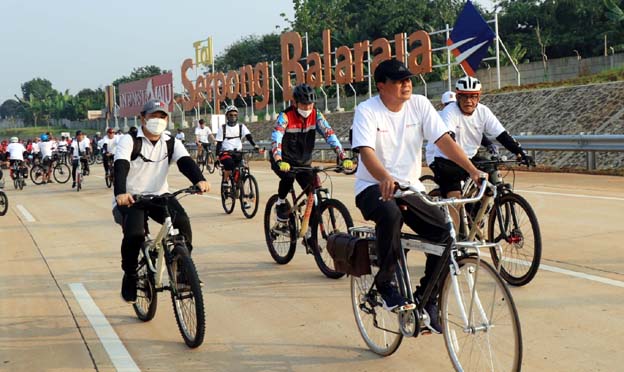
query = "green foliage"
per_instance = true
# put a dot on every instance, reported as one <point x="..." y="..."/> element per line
<point x="11" y="109"/>
<point x="140" y="73"/>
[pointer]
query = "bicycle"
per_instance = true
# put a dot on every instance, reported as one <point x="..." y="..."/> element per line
<point x="4" y="200"/>
<point x="242" y="185"/>
<point x="109" y="176"/>
<point x="480" y="322"/>
<point x="313" y="214"/>
<point x="507" y="218"/>
<point x="79" y="174"/>
<point x="19" y="171"/>
<point x="168" y="251"/>
<point x="206" y="159"/>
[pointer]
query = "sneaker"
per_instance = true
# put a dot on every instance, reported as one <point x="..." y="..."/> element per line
<point x="49" y="181"/>
<point x="432" y="322"/>
<point x="281" y="228"/>
<point x="390" y="297"/>
<point x="73" y="185"/>
<point x="246" y="205"/>
<point x="129" y="288"/>
<point x="282" y="212"/>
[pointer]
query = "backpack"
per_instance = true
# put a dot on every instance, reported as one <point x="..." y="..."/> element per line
<point x="138" y="143"/>
<point x="240" y="132"/>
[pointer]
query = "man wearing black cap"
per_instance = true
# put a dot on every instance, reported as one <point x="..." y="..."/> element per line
<point x="80" y="149"/>
<point x="389" y="130"/>
<point x="145" y="173"/>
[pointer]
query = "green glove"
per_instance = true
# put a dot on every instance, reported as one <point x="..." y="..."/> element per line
<point x="283" y="166"/>
<point x="347" y="164"/>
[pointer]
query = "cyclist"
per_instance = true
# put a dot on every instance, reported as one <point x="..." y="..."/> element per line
<point x="389" y="130"/>
<point x="45" y="148"/>
<point x="108" y="144"/>
<point x="16" y="151"/>
<point x="80" y="149"/>
<point x="470" y="121"/>
<point x="141" y="167"/>
<point x="203" y="134"/>
<point x="181" y="136"/>
<point x="292" y="143"/>
<point x="229" y="140"/>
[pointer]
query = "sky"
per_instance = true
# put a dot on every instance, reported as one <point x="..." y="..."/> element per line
<point x="78" y="44"/>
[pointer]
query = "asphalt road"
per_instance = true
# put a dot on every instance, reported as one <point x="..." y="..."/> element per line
<point x="58" y="245"/>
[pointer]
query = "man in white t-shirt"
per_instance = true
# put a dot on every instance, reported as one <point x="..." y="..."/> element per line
<point x="80" y="148"/>
<point x="230" y="142"/>
<point x="108" y="145"/>
<point x="470" y="121"/>
<point x="203" y="135"/>
<point x="16" y="152"/>
<point x="181" y="136"/>
<point x="45" y="148"/>
<point x="389" y="130"/>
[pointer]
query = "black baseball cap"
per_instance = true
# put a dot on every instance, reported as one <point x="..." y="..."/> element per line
<point x="391" y="69"/>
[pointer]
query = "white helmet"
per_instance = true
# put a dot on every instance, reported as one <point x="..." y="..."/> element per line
<point x="230" y="108"/>
<point x="14" y="139"/>
<point x="448" y="97"/>
<point x="468" y="84"/>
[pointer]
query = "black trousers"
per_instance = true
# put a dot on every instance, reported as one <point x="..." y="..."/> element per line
<point x="133" y="221"/>
<point x="84" y="164"/>
<point x="389" y="216"/>
<point x="287" y="179"/>
<point x="107" y="161"/>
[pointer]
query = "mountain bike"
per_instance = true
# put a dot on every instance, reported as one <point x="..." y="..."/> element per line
<point x="479" y="319"/>
<point x="80" y="174"/>
<point x="60" y="171"/>
<point x="242" y="185"/>
<point x="109" y="176"/>
<point x="313" y="216"/>
<point x="507" y="218"/>
<point x="168" y="252"/>
<point x="206" y="159"/>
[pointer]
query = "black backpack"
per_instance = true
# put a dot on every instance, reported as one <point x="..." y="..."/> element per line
<point x="138" y="143"/>
<point x="240" y="132"/>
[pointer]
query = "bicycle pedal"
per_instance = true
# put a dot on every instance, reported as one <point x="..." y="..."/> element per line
<point x="408" y="307"/>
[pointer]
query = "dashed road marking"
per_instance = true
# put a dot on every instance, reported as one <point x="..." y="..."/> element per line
<point x="571" y="195"/>
<point x="29" y="217"/>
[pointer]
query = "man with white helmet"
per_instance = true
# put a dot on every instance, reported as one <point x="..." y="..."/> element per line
<point x="229" y="142"/>
<point x="16" y="152"/>
<point x="470" y="121"/>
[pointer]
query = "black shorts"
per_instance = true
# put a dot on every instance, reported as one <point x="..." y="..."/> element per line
<point x="448" y="175"/>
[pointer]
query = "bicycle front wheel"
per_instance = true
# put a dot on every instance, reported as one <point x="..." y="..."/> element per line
<point x="481" y="332"/>
<point x="379" y="328"/>
<point x="78" y="181"/>
<point x="249" y="196"/>
<point x="187" y="298"/>
<point x="147" y="297"/>
<point x="61" y="173"/>
<point x="4" y="203"/>
<point x="517" y="231"/>
<point x="36" y="174"/>
<point x="210" y="163"/>
<point x="108" y="177"/>
<point x="228" y="197"/>
<point x="281" y="239"/>
<point x="334" y="218"/>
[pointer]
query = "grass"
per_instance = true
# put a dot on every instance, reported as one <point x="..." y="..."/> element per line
<point x="32" y="132"/>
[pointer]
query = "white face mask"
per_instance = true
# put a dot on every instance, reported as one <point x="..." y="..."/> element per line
<point x="156" y="125"/>
<point x="304" y="113"/>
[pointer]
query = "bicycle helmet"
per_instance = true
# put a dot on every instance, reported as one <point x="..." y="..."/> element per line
<point x="230" y="108"/>
<point x="44" y="137"/>
<point x="468" y="84"/>
<point x="303" y="93"/>
<point x="14" y="139"/>
<point x="448" y="97"/>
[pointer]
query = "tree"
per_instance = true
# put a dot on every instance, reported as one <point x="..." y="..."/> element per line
<point x="10" y="109"/>
<point x="140" y="73"/>
<point x="38" y="88"/>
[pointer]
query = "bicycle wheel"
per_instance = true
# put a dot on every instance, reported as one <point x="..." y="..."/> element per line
<point x="147" y="297"/>
<point x="78" y="181"/>
<point x="492" y="340"/>
<point x="281" y="241"/>
<point x="210" y="163"/>
<point x="109" y="179"/>
<point x="4" y="203"/>
<point x="61" y="173"/>
<point x="518" y="232"/>
<point x="36" y="174"/>
<point x="379" y="328"/>
<point x="335" y="218"/>
<point x="21" y="182"/>
<point x="187" y="298"/>
<point x="431" y="187"/>
<point x="249" y="196"/>
<point x="228" y="197"/>
<point x="98" y="158"/>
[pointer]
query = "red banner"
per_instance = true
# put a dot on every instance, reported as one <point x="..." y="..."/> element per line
<point x="133" y="95"/>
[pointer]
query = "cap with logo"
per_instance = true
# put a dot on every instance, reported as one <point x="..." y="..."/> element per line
<point x="448" y="97"/>
<point x="391" y="69"/>
<point x="154" y="105"/>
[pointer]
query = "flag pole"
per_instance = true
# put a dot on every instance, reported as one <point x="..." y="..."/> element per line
<point x="498" y="75"/>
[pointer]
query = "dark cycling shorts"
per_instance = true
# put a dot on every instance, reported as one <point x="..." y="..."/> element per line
<point x="229" y="161"/>
<point x="46" y="161"/>
<point x="450" y="175"/>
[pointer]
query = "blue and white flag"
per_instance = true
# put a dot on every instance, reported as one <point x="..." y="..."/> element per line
<point x="470" y="39"/>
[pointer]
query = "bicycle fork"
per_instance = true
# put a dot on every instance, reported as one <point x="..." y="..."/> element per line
<point x="472" y="276"/>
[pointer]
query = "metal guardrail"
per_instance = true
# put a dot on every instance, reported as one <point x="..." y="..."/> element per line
<point x="588" y="143"/>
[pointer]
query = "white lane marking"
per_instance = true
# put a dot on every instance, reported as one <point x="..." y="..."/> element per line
<point x="112" y="344"/>
<point x="211" y="197"/>
<point x="25" y="213"/>
<point x="95" y="175"/>
<point x="576" y="274"/>
<point x="571" y="195"/>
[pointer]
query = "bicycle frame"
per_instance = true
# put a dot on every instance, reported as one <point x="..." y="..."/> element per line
<point x="157" y="243"/>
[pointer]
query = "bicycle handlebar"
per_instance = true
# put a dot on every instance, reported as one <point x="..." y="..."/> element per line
<point x="144" y="199"/>
<point x="317" y="169"/>
<point x="406" y="189"/>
